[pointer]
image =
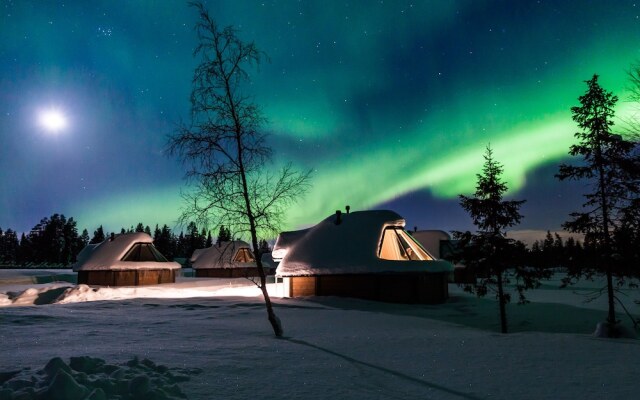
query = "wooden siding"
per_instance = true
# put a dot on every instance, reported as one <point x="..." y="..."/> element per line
<point x="427" y="288"/>
<point x="137" y="277"/>
<point x="229" y="272"/>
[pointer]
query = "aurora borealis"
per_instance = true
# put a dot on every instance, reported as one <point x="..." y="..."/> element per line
<point x="390" y="102"/>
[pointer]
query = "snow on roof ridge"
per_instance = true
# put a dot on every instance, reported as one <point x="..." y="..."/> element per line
<point x="349" y="247"/>
<point x="219" y="255"/>
<point x="108" y="254"/>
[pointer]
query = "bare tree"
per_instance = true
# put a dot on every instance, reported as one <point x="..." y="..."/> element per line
<point x="224" y="147"/>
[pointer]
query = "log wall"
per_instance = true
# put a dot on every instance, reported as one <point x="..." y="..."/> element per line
<point x="427" y="288"/>
<point x="137" y="277"/>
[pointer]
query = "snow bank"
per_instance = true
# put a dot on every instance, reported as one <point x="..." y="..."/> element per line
<point x="605" y="330"/>
<point x="64" y="293"/>
<point x="88" y="378"/>
<point x="334" y="348"/>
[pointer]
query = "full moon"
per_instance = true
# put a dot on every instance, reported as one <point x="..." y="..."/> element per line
<point x="53" y="120"/>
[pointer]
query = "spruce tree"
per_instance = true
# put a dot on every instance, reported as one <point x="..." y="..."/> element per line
<point x="209" y="242"/>
<point x="11" y="245"/>
<point x="609" y="165"/>
<point x="224" y="235"/>
<point x="98" y="236"/>
<point x="492" y="257"/>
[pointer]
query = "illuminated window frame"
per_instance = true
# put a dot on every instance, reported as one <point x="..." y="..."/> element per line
<point x="133" y="255"/>
<point x="396" y="244"/>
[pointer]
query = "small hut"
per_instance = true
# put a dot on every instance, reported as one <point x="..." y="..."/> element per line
<point x="128" y="259"/>
<point x="365" y="254"/>
<point x="233" y="259"/>
<point x="440" y="244"/>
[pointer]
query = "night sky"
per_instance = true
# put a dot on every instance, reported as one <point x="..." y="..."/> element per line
<point x="391" y="103"/>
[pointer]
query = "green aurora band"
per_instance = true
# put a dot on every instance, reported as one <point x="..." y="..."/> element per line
<point x="358" y="95"/>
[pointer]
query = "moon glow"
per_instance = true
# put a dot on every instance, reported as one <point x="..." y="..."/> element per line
<point x="52" y="120"/>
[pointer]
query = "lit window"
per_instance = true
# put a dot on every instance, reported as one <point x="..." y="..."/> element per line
<point x="399" y="245"/>
<point x="243" y="255"/>
<point x="141" y="252"/>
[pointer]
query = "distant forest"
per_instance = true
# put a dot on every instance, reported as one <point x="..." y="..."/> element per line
<point x="55" y="240"/>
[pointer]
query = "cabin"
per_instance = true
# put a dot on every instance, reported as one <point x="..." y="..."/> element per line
<point x="365" y="254"/>
<point x="128" y="259"/>
<point x="441" y="246"/>
<point x="233" y="259"/>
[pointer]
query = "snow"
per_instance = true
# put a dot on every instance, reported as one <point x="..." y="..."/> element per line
<point x="93" y="378"/>
<point x="215" y="333"/>
<point x="348" y="248"/>
<point x="108" y="255"/>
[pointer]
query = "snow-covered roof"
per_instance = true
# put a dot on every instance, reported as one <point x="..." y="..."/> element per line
<point x="109" y="254"/>
<point x="222" y="256"/>
<point x="351" y="247"/>
<point x="284" y="241"/>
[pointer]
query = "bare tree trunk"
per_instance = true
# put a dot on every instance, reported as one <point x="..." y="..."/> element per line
<point x="273" y="319"/>
<point x="503" y="307"/>
<point x="611" y="317"/>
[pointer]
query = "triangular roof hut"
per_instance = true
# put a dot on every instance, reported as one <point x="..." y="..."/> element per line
<point x="232" y="254"/>
<point x="361" y="254"/>
<point x="226" y="259"/>
<point x="124" y="260"/>
<point x="361" y="242"/>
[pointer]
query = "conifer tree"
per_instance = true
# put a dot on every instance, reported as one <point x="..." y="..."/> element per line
<point x="11" y="245"/>
<point x="610" y="167"/>
<point x="84" y="237"/>
<point x="264" y="246"/>
<point x="209" y="242"/>
<point x="224" y="235"/>
<point x="98" y="236"/>
<point x="487" y="252"/>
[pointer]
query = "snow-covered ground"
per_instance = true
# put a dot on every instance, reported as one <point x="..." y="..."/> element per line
<point x="334" y="347"/>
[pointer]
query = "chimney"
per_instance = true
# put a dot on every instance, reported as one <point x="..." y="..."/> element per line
<point x="347" y="208"/>
<point x="338" y="217"/>
<point x="113" y="236"/>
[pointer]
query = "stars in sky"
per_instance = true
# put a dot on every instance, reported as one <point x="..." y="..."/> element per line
<point x="390" y="103"/>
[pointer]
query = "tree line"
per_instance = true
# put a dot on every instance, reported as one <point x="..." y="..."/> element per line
<point x="55" y="241"/>
<point x="609" y="218"/>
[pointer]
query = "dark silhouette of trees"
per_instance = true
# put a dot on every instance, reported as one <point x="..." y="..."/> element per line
<point x="553" y="252"/>
<point x="225" y="149"/>
<point x="264" y="247"/>
<point x="53" y="240"/>
<point x="224" y="235"/>
<point x="165" y="241"/>
<point x="98" y="236"/>
<point x="610" y="167"/>
<point x="493" y="258"/>
<point x="209" y="241"/>
<point x="9" y="246"/>
<point x="84" y="238"/>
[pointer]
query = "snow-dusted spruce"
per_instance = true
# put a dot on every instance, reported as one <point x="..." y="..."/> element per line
<point x="610" y="166"/>
<point x="493" y="258"/>
<point x="225" y="149"/>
